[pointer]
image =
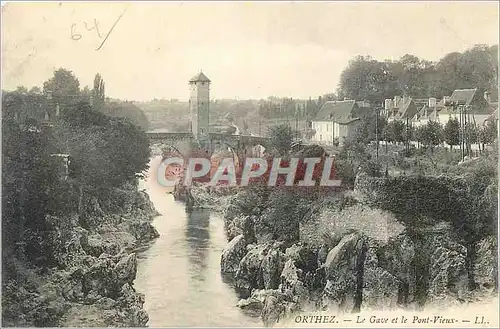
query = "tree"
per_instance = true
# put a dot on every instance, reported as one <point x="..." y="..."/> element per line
<point x="28" y="176"/>
<point x="22" y="89"/>
<point x="369" y="128"/>
<point x="98" y="94"/>
<point x="365" y="79"/>
<point x="419" y="133"/>
<point x="394" y="132"/>
<point x="488" y="132"/>
<point x="452" y="132"/>
<point x="432" y="134"/>
<point x="64" y="87"/>
<point x="63" y="83"/>
<point x="35" y="90"/>
<point x="472" y="133"/>
<point x="281" y="138"/>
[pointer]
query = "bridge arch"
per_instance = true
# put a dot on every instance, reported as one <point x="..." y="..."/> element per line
<point x="163" y="145"/>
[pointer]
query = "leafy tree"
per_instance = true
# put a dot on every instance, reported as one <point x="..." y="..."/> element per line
<point x="82" y="115"/>
<point x="366" y="78"/>
<point x="29" y="174"/>
<point x="472" y="133"/>
<point x="352" y="159"/>
<point x="418" y="134"/>
<point x="394" y="131"/>
<point x="22" y="90"/>
<point x="408" y="132"/>
<point x="432" y="134"/>
<point x="98" y="94"/>
<point x="488" y="132"/>
<point x="131" y="112"/>
<point x="64" y="86"/>
<point x="63" y="83"/>
<point x="281" y="138"/>
<point x="452" y="132"/>
<point x="369" y="128"/>
<point x="35" y="90"/>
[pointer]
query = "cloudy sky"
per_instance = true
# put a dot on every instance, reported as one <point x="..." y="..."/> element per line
<point x="248" y="50"/>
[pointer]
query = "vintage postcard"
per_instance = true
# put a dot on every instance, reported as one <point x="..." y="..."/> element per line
<point x="250" y="164"/>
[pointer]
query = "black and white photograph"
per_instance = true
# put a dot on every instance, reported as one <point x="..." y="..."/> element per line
<point x="250" y="164"/>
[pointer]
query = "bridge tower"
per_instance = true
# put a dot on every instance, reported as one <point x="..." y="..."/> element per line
<point x="199" y="105"/>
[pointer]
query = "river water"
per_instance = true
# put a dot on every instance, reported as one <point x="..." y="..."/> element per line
<point x="180" y="272"/>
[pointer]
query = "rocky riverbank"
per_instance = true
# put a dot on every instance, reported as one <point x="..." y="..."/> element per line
<point x="92" y="284"/>
<point x="342" y="254"/>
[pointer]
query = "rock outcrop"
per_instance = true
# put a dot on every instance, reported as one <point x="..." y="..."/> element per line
<point x="92" y="284"/>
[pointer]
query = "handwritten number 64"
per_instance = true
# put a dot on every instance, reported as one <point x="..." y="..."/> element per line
<point x="77" y="36"/>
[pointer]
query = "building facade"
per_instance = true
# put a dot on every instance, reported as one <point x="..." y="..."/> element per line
<point x="199" y="104"/>
<point x="337" y="121"/>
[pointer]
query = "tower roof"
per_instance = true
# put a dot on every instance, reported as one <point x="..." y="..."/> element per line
<point x="200" y="77"/>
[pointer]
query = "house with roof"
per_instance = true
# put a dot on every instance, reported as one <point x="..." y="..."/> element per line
<point x="478" y="105"/>
<point x="400" y="108"/>
<point x="428" y="112"/>
<point x="337" y="120"/>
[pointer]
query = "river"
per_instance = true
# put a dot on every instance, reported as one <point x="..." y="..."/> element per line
<point x="180" y="272"/>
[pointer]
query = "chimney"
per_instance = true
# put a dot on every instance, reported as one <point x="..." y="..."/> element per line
<point x="388" y="104"/>
<point x="487" y="96"/>
<point x="432" y="102"/>
<point x="396" y="101"/>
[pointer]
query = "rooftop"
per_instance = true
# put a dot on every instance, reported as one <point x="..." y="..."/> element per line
<point x="338" y="111"/>
<point x="200" y="77"/>
<point x="463" y="95"/>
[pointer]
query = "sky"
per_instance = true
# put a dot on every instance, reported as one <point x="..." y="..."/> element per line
<point x="248" y="49"/>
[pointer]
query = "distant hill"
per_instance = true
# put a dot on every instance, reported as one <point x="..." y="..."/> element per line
<point x="127" y="110"/>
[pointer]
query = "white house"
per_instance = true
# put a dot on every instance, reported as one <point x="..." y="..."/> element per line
<point x="336" y="120"/>
<point x="478" y="108"/>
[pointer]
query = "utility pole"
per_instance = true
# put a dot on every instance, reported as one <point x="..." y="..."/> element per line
<point x="296" y="121"/>
<point x="376" y="127"/>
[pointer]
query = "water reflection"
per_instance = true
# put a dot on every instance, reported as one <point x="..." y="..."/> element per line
<point x="180" y="273"/>
<point x="198" y="238"/>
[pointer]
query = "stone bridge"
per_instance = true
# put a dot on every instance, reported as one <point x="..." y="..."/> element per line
<point x="185" y="143"/>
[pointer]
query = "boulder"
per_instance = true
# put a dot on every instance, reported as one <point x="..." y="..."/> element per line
<point x="486" y="264"/>
<point x="292" y="284"/>
<point x="126" y="269"/>
<point x="303" y="257"/>
<point x="249" y="274"/>
<point x="344" y="270"/>
<point x="380" y="288"/>
<point x="233" y="254"/>
<point x="397" y="258"/>
<point x="97" y="246"/>
<point x="272" y="311"/>
<point x="448" y="277"/>
<point x="143" y="231"/>
<point x="272" y="266"/>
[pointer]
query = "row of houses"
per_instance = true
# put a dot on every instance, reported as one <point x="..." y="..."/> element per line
<point x="337" y="120"/>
